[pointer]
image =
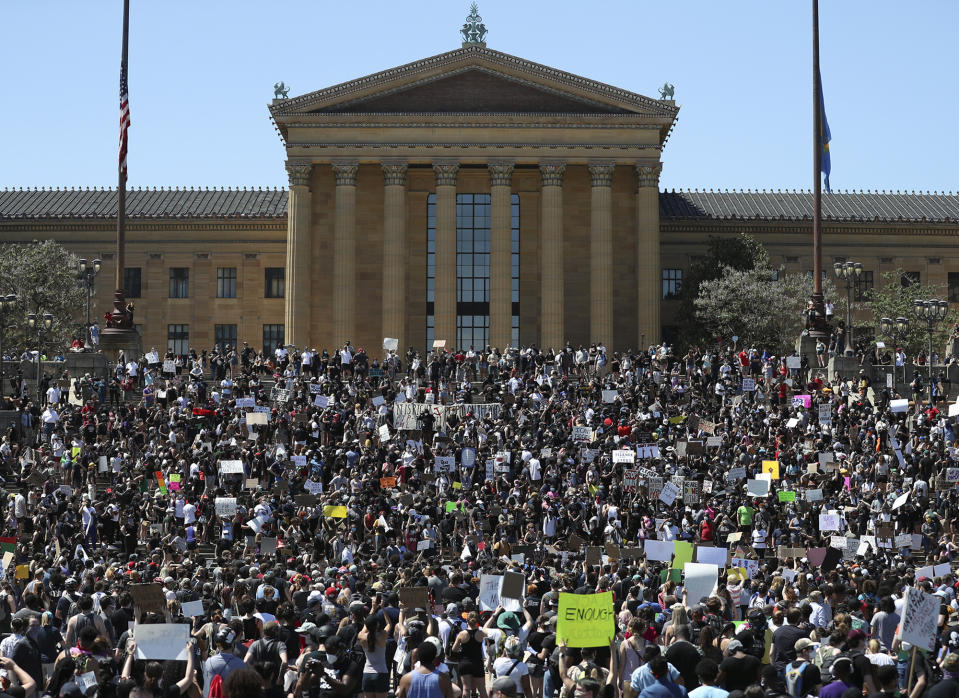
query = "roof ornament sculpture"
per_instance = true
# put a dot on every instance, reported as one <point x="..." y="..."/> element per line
<point x="280" y="91"/>
<point x="666" y="91"/>
<point x="474" y="31"/>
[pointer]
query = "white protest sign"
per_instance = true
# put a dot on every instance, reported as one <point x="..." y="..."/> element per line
<point x="390" y="343"/>
<point x="192" y="609"/>
<point x="257" y="419"/>
<point x="321" y="401"/>
<point x="699" y="580"/>
<point x="384" y="433"/>
<point x="444" y="464"/>
<point x="299" y="461"/>
<point x="899" y="405"/>
<point x="749" y="385"/>
<point x="169" y="366"/>
<point x="900" y="500"/>
<point x="490" y="585"/>
<point x="658" y="550"/>
<point x="889" y="380"/>
<point x="793" y="362"/>
<point x="712" y="556"/>
<point x="582" y="434"/>
<point x="153" y="358"/>
<point x="230" y="467"/>
<point x="267" y="546"/>
<point x="164" y="641"/>
<point x="610" y="396"/>
<point x="757" y="487"/>
<point x="714" y="441"/>
<point x="920" y="614"/>
<point x="825" y="413"/>
<point x="313" y="487"/>
<point x="669" y="493"/>
<point x="829" y="522"/>
<point x="225" y="506"/>
<point x="624" y="456"/>
<point x="953" y="409"/>
<point x="423" y="544"/>
<point x="378" y="400"/>
<point x="814" y="495"/>
<point x="245" y="402"/>
<point x="468" y="457"/>
<point x="737" y="473"/>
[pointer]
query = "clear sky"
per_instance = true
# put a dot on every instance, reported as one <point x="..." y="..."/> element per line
<point x="202" y="71"/>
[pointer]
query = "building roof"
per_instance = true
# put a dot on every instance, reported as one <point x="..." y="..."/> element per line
<point x="853" y="206"/>
<point x="886" y="207"/>
<point x="142" y="203"/>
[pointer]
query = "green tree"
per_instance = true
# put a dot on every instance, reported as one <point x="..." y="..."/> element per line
<point x="43" y="275"/>
<point x="894" y="298"/>
<point x="763" y="307"/>
<point x="740" y="252"/>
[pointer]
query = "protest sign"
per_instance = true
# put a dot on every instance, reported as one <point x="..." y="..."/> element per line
<point x="149" y="597"/>
<point x="585" y="620"/>
<point x="390" y="344"/>
<point x="489" y="596"/>
<point x="682" y="554"/>
<point x="313" y="487"/>
<point x="254" y="419"/>
<point x="163" y="641"/>
<point x="771" y="468"/>
<point x="334" y="512"/>
<point x="384" y="433"/>
<point x="825" y="413"/>
<point x="444" y="464"/>
<point x="829" y="522"/>
<point x="669" y="493"/>
<point x="630" y="480"/>
<point x="900" y="500"/>
<point x="757" y="488"/>
<point x="609" y="396"/>
<point x="690" y="492"/>
<point x="658" y="550"/>
<point x="192" y="609"/>
<point x="802" y="401"/>
<point x="624" y="455"/>
<point x="814" y="495"/>
<point x="749" y="385"/>
<point x="899" y="405"/>
<point x="169" y="366"/>
<point x="582" y="434"/>
<point x="387" y="483"/>
<point x="712" y="556"/>
<point x="699" y="580"/>
<point x="920" y="615"/>
<point x="414" y="597"/>
<point x="231" y="467"/>
<point x="787" y="496"/>
<point x="225" y="506"/>
<point x="267" y="546"/>
<point x="321" y="401"/>
<point x="468" y="457"/>
<point x="737" y="473"/>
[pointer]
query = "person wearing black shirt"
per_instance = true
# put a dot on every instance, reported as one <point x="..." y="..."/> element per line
<point x="888" y="679"/>
<point x="785" y="639"/>
<point x="683" y="655"/>
<point x="740" y="670"/>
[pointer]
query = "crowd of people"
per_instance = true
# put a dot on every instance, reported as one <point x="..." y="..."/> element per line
<point x="302" y="523"/>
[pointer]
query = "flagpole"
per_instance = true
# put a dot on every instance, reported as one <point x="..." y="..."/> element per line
<point x="817" y="319"/>
<point x="119" y="302"/>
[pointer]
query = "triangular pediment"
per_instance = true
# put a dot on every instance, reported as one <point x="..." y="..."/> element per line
<point x="476" y="90"/>
<point x="474" y="79"/>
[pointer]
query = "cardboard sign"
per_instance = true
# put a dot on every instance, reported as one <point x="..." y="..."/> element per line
<point x="594" y="554"/>
<point x="575" y="543"/>
<point x="225" y="506"/>
<point x="585" y="620"/>
<point x="387" y="483"/>
<point x="757" y="488"/>
<point x="149" y="598"/>
<point x="514" y="586"/>
<point x="920" y="615"/>
<point x="251" y="483"/>
<point x="255" y="419"/>
<point x="231" y="467"/>
<point x="192" y="609"/>
<point x="658" y="550"/>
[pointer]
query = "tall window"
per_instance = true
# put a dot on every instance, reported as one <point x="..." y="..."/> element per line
<point x="953" y="287"/>
<point x="179" y="282"/>
<point x="862" y="289"/>
<point x="178" y="339"/>
<point x="672" y="284"/>
<point x="472" y="269"/>
<point x="275" y="282"/>
<point x="273" y="337"/>
<point x="225" y="336"/>
<point x="226" y="282"/>
<point x="131" y="282"/>
<point x="909" y="278"/>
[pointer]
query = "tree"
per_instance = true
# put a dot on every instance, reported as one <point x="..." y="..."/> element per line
<point x="760" y="306"/>
<point x="894" y="298"/>
<point x="740" y="253"/>
<point x="43" y="275"/>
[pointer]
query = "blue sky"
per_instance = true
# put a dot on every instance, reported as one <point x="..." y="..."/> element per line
<point x="201" y="75"/>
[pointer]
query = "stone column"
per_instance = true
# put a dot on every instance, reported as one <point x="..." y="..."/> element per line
<point x="601" y="254"/>
<point x="394" y="251"/>
<point x="501" y="254"/>
<point x="444" y="305"/>
<point x="552" y="279"/>
<point x="298" y="254"/>
<point x="648" y="270"/>
<point x="344" y="253"/>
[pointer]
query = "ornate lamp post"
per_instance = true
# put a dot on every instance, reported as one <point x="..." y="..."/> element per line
<point x="87" y="273"/>
<point x="896" y="329"/>
<point x="42" y="324"/>
<point x="850" y="271"/>
<point x="933" y="311"/>
<point x="6" y="304"/>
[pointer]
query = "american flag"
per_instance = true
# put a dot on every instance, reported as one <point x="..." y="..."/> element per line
<point x="124" y="118"/>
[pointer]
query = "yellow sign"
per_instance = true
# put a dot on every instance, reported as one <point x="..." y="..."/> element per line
<point x="771" y="467"/>
<point x="334" y="512"/>
<point x="457" y="485"/>
<point x="585" y="620"/>
<point x="23" y="571"/>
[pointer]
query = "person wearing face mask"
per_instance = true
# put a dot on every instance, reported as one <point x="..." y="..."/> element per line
<point x="332" y="676"/>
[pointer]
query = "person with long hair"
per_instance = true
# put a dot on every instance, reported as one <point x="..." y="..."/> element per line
<point x="469" y="644"/>
<point x="373" y="639"/>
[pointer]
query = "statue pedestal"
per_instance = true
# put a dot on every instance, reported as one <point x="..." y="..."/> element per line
<point x="113" y="340"/>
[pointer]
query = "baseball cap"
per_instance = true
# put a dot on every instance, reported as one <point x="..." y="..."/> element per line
<point x="733" y="646"/>
<point x="803" y="643"/>
<point x="503" y="684"/>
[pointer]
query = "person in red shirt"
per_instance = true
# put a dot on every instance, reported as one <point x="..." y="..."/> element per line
<point x="706" y="530"/>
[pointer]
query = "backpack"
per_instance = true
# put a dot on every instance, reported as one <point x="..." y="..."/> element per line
<point x="83" y="620"/>
<point x="216" y="687"/>
<point x="824" y="659"/>
<point x="794" y="679"/>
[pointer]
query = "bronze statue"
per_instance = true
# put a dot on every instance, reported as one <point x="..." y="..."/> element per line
<point x="666" y="91"/>
<point x="280" y="91"/>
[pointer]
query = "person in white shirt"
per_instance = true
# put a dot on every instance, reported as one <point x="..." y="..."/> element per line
<point x="189" y="513"/>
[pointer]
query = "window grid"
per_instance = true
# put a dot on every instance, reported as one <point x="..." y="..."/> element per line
<point x="862" y="289"/>
<point x="273" y="337"/>
<point x="225" y="336"/>
<point x="178" y="339"/>
<point x="672" y="284"/>
<point x="226" y="282"/>
<point x="472" y="269"/>
<point x="132" y="282"/>
<point x="179" y="282"/>
<point x="275" y="282"/>
<point x="953" y="287"/>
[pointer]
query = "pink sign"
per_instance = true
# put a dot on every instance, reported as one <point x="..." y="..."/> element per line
<point x="802" y="401"/>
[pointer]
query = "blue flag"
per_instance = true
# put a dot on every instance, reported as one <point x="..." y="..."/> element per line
<point x="825" y="136"/>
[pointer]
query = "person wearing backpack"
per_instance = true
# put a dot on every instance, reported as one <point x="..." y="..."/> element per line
<point x="223" y="662"/>
<point x="861" y="666"/>
<point x="268" y="648"/>
<point x="802" y="677"/>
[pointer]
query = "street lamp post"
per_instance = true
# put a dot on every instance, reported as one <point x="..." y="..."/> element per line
<point x="896" y="329"/>
<point x="850" y="271"/>
<point x="87" y="273"/>
<point x="933" y="311"/>
<point x="42" y="324"/>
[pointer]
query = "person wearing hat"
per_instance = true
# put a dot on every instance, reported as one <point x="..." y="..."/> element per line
<point x="802" y="677"/>
<point x="842" y="679"/>
<point x="740" y="669"/>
